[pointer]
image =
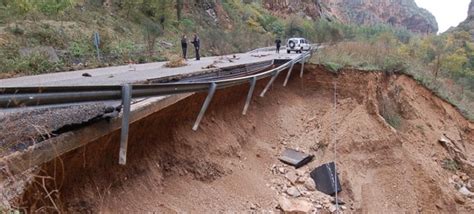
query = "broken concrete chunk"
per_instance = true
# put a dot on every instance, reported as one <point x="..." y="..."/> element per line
<point x="294" y="206"/>
<point x="295" y="158"/>
<point x="326" y="179"/>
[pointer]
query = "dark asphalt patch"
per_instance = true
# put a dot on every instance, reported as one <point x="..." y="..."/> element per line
<point x="19" y="130"/>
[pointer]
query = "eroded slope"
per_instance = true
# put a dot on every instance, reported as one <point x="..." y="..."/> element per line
<point x="389" y="157"/>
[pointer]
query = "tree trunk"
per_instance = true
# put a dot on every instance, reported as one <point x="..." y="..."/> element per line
<point x="179" y="8"/>
<point x="437" y="66"/>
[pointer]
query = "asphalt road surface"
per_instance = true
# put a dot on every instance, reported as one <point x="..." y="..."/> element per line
<point x="135" y="73"/>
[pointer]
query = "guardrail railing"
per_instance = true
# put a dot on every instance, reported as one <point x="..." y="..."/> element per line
<point x="12" y="97"/>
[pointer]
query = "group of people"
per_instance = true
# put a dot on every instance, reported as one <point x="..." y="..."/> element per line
<point x="196" y="42"/>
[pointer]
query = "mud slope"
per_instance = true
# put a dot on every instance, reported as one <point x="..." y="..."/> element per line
<point x="230" y="163"/>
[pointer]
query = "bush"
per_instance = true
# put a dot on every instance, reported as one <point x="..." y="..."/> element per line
<point x="18" y="31"/>
<point x="394" y="64"/>
<point x="123" y="49"/>
<point x="333" y="67"/>
<point x="294" y="28"/>
<point x="188" y="25"/>
<point x="45" y="34"/>
<point x="392" y="119"/>
<point x="34" y="64"/>
<point x="450" y="164"/>
<point x="80" y="48"/>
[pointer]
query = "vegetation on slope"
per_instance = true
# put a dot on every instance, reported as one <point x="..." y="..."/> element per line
<point x="444" y="63"/>
<point x="131" y="31"/>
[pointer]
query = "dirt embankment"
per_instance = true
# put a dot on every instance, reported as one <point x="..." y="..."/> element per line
<point x="389" y="157"/>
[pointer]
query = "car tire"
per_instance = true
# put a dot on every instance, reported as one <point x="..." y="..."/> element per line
<point x="291" y="44"/>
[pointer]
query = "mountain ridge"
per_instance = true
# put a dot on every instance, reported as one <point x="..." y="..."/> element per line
<point x="400" y="13"/>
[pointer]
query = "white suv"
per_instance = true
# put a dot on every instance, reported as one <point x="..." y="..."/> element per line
<point x="297" y="45"/>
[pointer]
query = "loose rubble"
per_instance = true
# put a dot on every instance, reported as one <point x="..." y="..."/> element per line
<point x="297" y="192"/>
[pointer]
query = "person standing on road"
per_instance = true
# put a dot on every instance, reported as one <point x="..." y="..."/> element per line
<point x="184" y="46"/>
<point x="278" y="44"/>
<point x="197" y="43"/>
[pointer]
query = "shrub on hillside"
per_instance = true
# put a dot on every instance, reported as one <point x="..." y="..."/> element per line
<point x="394" y="64"/>
<point x="333" y="67"/>
<point x="53" y="7"/>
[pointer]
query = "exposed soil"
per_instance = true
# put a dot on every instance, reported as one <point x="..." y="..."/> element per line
<point x="230" y="164"/>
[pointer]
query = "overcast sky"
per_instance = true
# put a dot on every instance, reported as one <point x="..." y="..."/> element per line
<point x="447" y="12"/>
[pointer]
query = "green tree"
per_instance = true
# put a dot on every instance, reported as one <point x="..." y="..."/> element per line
<point x="18" y="8"/>
<point x="129" y="6"/>
<point x="53" y="7"/>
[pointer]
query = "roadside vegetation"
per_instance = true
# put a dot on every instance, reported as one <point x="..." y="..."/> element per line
<point x="443" y="63"/>
<point x="131" y="31"/>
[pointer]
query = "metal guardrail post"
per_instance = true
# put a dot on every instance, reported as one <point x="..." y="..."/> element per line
<point x="212" y="90"/>
<point x="269" y="84"/>
<point x="126" y="103"/>
<point x="302" y="66"/>
<point x="288" y="75"/>
<point x="253" y="82"/>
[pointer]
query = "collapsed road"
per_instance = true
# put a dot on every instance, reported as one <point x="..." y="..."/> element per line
<point x="84" y="103"/>
<point x="231" y="163"/>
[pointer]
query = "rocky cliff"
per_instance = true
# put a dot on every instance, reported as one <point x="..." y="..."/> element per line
<point x="401" y="13"/>
<point x="468" y="24"/>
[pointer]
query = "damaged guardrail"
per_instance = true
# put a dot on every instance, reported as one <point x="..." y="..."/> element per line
<point x="11" y="97"/>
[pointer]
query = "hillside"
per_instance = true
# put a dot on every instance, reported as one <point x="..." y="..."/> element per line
<point x="468" y="24"/>
<point x="47" y="36"/>
<point x="399" y="13"/>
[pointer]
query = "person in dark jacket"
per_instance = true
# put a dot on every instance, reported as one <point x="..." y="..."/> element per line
<point x="197" y="43"/>
<point x="184" y="45"/>
<point x="278" y="45"/>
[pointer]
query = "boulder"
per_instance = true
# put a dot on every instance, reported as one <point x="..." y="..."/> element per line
<point x="294" y="206"/>
<point x="293" y="191"/>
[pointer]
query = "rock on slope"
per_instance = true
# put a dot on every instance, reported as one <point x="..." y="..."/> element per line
<point x="402" y="13"/>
